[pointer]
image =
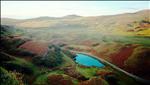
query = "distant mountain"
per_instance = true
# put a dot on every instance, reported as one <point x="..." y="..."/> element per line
<point x="42" y="18"/>
<point x="71" y="16"/>
<point x="126" y="22"/>
<point x="9" y="21"/>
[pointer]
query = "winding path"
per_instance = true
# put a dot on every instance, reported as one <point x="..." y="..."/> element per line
<point x="138" y="79"/>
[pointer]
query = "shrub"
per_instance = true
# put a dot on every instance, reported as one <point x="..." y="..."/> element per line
<point x="10" y="45"/>
<point x="92" y="81"/>
<point x="56" y="79"/>
<point x="51" y="59"/>
<point x="6" y="30"/>
<point x="37" y="60"/>
<point x="7" y="78"/>
<point x="22" y="52"/>
<point x="145" y="21"/>
<point x="18" y="67"/>
<point x="5" y="57"/>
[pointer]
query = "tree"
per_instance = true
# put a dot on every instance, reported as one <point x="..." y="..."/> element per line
<point x="53" y="57"/>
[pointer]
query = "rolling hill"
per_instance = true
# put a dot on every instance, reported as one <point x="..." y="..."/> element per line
<point x="126" y="23"/>
<point x="45" y="47"/>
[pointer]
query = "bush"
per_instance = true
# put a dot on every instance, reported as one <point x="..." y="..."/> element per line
<point x="7" y="78"/>
<point x="6" y="30"/>
<point x="22" y="52"/>
<point x="145" y="21"/>
<point x="5" y="57"/>
<point x="10" y="45"/>
<point x="37" y="60"/>
<point x="51" y="59"/>
<point x="18" y="67"/>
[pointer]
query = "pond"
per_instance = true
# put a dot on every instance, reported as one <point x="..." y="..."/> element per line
<point x="88" y="60"/>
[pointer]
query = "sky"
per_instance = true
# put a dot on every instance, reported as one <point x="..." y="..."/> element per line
<point x="32" y="9"/>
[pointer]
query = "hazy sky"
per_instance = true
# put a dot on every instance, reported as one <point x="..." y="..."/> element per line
<point x="30" y="9"/>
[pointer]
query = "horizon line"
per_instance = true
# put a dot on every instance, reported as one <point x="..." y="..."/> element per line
<point x="77" y="15"/>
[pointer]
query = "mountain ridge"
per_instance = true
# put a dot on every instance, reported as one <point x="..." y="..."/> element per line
<point x="109" y="23"/>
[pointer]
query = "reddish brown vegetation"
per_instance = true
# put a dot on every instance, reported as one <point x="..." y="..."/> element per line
<point x="35" y="47"/>
<point x="103" y="73"/>
<point x="119" y="58"/>
<point x="71" y="71"/>
<point x="139" y="63"/>
<point x="28" y="58"/>
<point x="145" y="25"/>
<point x="94" y="52"/>
<point x="59" y="80"/>
<point x="93" y="81"/>
<point x="19" y="77"/>
<point x="78" y="49"/>
<point x="89" y="43"/>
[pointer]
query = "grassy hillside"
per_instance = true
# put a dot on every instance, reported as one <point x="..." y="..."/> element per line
<point x="41" y="51"/>
<point x="24" y="62"/>
<point x="121" y="24"/>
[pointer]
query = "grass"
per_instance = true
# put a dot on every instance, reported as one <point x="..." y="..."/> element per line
<point x="8" y="78"/>
<point x="88" y="72"/>
<point x="143" y="40"/>
<point x="42" y="79"/>
<point x="24" y="63"/>
<point x="67" y="61"/>
<point x="144" y="32"/>
<point x="76" y="36"/>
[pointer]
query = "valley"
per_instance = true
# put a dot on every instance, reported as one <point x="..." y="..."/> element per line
<point x="41" y="51"/>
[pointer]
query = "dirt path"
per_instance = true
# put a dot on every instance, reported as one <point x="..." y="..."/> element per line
<point x="138" y="79"/>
